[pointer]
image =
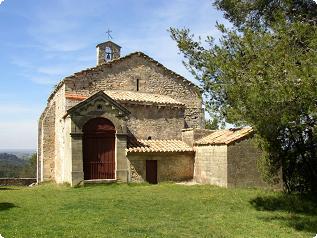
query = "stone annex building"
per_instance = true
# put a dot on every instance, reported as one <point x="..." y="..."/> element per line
<point x="131" y="119"/>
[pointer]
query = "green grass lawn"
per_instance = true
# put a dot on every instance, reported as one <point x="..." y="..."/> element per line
<point x="165" y="210"/>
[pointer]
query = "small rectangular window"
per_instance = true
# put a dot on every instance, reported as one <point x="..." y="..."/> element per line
<point x="137" y="84"/>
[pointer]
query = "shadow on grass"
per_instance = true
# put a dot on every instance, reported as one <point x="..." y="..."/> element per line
<point x="6" y="206"/>
<point x="7" y="188"/>
<point x="301" y="210"/>
<point x="297" y="222"/>
<point x="112" y="184"/>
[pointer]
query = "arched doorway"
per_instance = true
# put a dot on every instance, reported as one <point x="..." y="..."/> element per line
<point x="99" y="149"/>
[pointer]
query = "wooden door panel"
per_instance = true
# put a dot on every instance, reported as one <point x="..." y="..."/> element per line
<point x="151" y="171"/>
<point x="99" y="150"/>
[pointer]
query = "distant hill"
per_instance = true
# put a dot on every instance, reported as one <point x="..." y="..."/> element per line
<point x="20" y="153"/>
<point x="11" y="166"/>
<point x="11" y="159"/>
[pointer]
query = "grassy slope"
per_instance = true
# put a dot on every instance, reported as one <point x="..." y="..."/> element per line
<point x="164" y="210"/>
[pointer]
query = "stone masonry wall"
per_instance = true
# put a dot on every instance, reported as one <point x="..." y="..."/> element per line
<point x="170" y="167"/>
<point x="67" y="158"/>
<point x="176" y="167"/>
<point x="51" y="139"/>
<point x="156" y="122"/>
<point x="59" y="99"/>
<point x="123" y="75"/>
<point x="39" y="148"/>
<point x="211" y="165"/>
<point x="48" y="144"/>
<point x="242" y="165"/>
<point x="188" y="136"/>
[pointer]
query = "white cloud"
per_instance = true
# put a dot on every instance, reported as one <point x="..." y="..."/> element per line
<point x="54" y="70"/>
<point x="49" y="73"/>
<point x="47" y="43"/>
<point x="44" y="80"/>
<point x="1" y="1"/>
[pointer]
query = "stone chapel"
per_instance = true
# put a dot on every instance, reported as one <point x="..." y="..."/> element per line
<point x="130" y="119"/>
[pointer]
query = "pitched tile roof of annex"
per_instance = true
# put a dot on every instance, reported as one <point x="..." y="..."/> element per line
<point x="225" y="137"/>
<point x="143" y="146"/>
<point x="133" y="97"/>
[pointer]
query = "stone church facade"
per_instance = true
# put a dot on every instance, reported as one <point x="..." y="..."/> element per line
<point x="129" y="119"/>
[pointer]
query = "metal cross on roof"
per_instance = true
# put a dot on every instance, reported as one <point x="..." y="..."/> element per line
<point x="108" y="34"/>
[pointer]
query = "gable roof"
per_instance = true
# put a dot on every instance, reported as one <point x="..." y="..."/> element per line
<point x="143" y="146"/>
<point x="115" y="61"/>
<point x="100" y="94"/>
<point x="225" y="137"/>
<point x="108" y="42"/>
<point x="135" y="97"/>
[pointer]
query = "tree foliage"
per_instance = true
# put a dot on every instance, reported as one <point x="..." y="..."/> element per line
<point x="13" y="167"/>
<point x="212" y="124"/>
<point x="263" y="73"/>
<point x="255" y="13"/>
<point x="29" y="170"/>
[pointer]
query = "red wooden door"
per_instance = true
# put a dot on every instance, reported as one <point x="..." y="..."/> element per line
<point x="151" y="171"/>
<point x="99" y="149"/>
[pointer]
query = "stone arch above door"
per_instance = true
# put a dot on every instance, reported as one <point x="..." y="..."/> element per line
<point x="99" y="105"/>
<point x="99" y="125"/>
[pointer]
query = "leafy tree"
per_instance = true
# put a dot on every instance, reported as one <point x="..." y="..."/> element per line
<point x="10" y="165"/>
<point x="212" y="124"/>
<point x="255" y="13"/>
<point x="13" y="167"/>
<point x="29" y="170"/>
<point x="263" y="73"/>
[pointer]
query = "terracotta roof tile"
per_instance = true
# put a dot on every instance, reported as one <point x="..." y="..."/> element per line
<point x="225" y="137"/>
<point x="75" y="97"/>
<point x="159" y="146"/>
<point x="129" y="96"/>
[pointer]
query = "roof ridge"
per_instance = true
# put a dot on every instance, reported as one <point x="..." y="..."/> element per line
<point x="161" y="140"/>
<point x="161" y="145"/>
<point x="225" y="138"/>
<point x="131" y="96"/>
<point x="137" y="92"/>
